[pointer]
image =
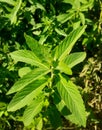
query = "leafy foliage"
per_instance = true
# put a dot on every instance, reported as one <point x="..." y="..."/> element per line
<point x="39" y="36"/>
<point x="33" y="83"/>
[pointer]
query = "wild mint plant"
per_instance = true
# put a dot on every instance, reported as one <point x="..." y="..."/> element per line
<point x="45" y="86"/>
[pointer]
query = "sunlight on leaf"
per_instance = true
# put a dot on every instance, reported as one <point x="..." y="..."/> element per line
<point x="72" y="98"/>
<point x="13" y="15"/>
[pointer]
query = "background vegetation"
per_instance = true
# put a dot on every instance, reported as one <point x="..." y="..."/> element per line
<point x="49" y="22"/>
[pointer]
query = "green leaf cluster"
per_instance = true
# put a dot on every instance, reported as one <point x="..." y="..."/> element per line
<point x="49" y="79"/>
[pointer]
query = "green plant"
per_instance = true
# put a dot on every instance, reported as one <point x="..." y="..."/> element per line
<point x="45" y="86"/>
<point x="49" y="21"/>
